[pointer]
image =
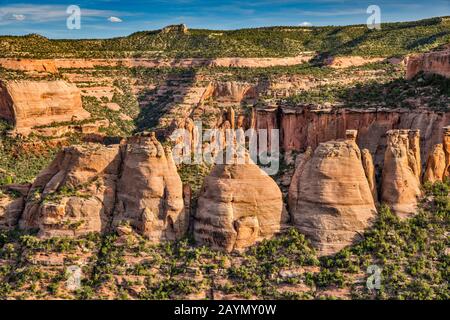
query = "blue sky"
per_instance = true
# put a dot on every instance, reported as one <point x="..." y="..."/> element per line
<point x="111" y="18"/>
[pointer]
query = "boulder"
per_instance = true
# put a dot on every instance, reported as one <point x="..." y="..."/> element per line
<point x="330" y="198"/>
<point x="400" y="187"/>
<point x="239" y="205"/>
<point x="150" y="191"/>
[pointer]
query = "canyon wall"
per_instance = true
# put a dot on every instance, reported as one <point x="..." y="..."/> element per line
<point x="305" y="126"/>
<point x="28" y="104"/>
<point x="52" y="65"/>
<point x="432" y="62"/>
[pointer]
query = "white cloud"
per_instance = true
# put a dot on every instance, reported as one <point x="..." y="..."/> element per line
<point x="46" y="13"/>
<point x="18" y="17"/>
<point x="114" y="19"/>
<point x="305" y="24"/>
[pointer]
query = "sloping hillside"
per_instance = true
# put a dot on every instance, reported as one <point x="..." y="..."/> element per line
<point x="178" y="41"/>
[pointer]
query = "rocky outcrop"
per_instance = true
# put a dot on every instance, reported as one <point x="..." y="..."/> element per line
<point x="446" y="145"/>
<point x="438" y="163"/>
<point x="12" y="202"/>
<point x="435" y="167"/>
<point x="232" y="91"/>
<point x="351" y="61"/>
<point x="305" y="126"/>
<point x="239" y="204"/>
<point x="75" y="195"/>
<point x="10" y="210"/>
<point x="369" y="170"/>
<point x="52" y="65"/>
<point x="433" y="62"/>
<point x="150" y="191"/>
<point x="400" y="187"/>
<point x="30" y="65"/>
<point x="330" y="200"/>
<point x="29" y="104"/>
<point x="92" y="187"/>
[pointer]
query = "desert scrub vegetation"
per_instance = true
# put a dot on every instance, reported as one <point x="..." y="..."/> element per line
<point x="268" y="73"/>
<point x="424" y="91"/>
<point x="412" y="255"/>
<point x="33" y="268"/>
<point x="118" y="125"/>
<point x="21" y="159"/>
<point x="393" y="39"/>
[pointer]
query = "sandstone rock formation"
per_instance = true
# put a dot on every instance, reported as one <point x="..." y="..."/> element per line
<point x="305" y="126"/>
<point x="435" y="165"/>
<point x="330" y="200"/>
<point x="352" y="61"/>
<point x="150" y="191"/>
<point x="400" y="187"/>
<point x="92" y="187"/>
<point x="44" y="65"/>
<point x="446" y="145"/>
<point x="239" y="205"/>
<point x="232" y="91"/>
<point x="438" y="164"/>
<point x="369" y="170"/>
<point x="28" y="104"/>
<point x="52" y="65"/>
<point x="75" y="195"/>
<point x="433" y="62"/>
<point x="10" y="210"/>
<point x="12" y="201"/>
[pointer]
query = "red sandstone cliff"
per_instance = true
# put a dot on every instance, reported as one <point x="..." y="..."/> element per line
<point x="433" y="62"/>
<point x="305" y="126"/>
<point x="28" y="104"/>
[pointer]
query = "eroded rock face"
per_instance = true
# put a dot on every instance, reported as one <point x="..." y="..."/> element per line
<point x="438" y="164"/>
<point x="29" y="65"/>
<point x="369" y="170"/>
<point x="239" y="205"/>
<point x="435" y="165"/>
<point x="52" y="65"/>
<point x="433" y="62"/>
<point x="75" y="195"/>
<point x="446" y="145"/>
<point x="400" y="187"/>
<point x="150" y="191"/>
<point x="10" y="210"/>
<point x="96" y="188"/>
<point x="330" y="199"/>
<point x="352" y="61"/>
<point x="12" y="202"/>
<point x="232" y="91"/>
<point x="304" y="126"/>
<point x="28" y="104"/>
